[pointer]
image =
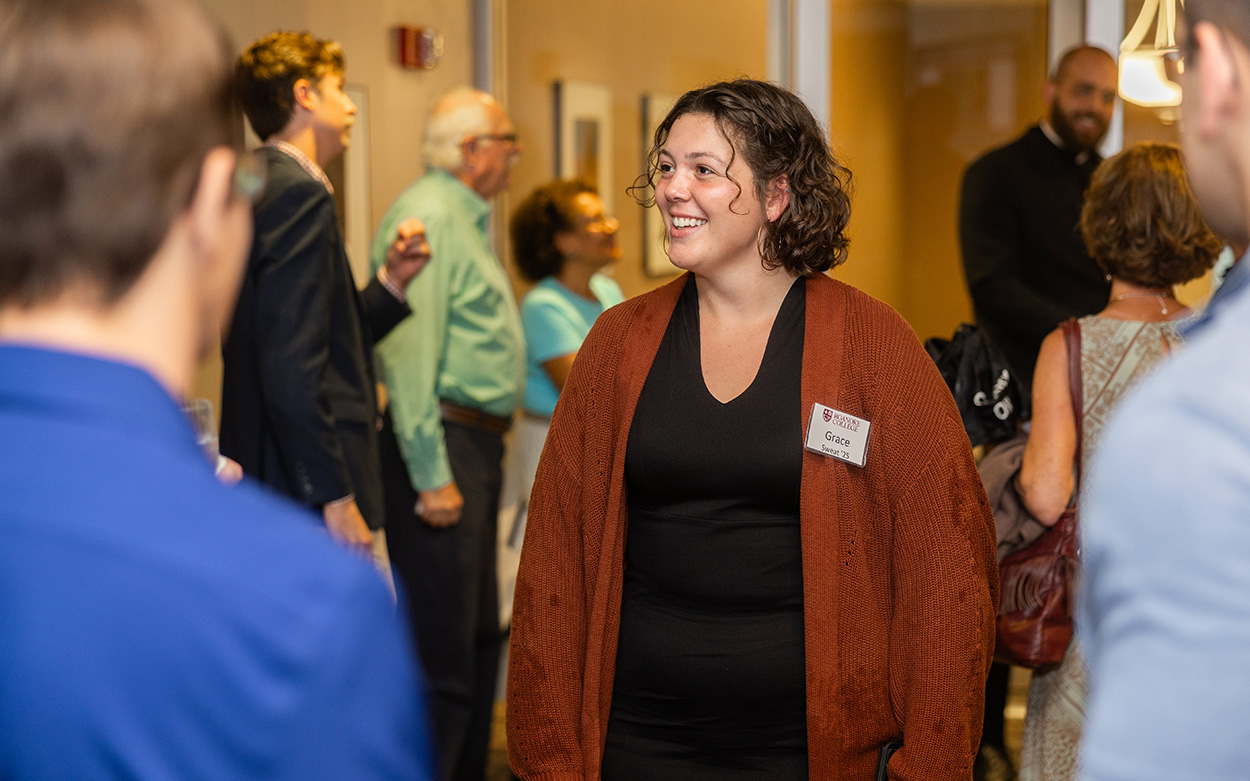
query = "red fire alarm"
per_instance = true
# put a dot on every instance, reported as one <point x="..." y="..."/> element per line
<point x="419" y="47"/>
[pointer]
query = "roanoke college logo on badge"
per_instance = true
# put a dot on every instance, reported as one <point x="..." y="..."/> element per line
<point x="827" y="415"/>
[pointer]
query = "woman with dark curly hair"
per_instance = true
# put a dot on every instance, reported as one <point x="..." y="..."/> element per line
<point x="562" y="239"/>
<point x="757" y="543"/>
<point x="1144" y="228"/>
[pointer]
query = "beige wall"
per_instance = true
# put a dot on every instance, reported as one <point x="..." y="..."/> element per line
<point x="866" y="122"/>
<point x="398" y="98"/>
<point x="911" y="108"/>
<point x="631" y="48"/>
<point x="920" y="88"/>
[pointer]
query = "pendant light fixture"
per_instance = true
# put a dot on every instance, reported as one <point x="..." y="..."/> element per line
<point x="1143" y="69"/>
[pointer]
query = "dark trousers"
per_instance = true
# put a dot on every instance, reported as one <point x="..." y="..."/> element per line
<point x="995" y="703"/>
<point x="453" y="601"/>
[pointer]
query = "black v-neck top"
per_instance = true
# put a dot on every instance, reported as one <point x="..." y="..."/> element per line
<point x="710" y="664"/>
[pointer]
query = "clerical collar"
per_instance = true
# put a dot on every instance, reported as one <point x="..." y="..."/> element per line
<point x="1080" y="157"/>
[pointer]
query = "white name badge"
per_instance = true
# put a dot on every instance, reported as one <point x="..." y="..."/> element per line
<point x="838" y="435"/>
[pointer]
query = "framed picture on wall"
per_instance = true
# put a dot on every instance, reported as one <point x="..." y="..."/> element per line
<point x="655" y="263"/>
<point x="583" y="123"/>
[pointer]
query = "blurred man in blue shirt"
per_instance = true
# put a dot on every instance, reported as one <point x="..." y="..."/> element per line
<point x="153" y="622"/>
<point x="1165" y="524"/>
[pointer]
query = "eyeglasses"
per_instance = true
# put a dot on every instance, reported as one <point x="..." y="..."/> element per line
<point x="249" y="177"/>
<point x="601" y="222"/>
<point x="1173" y="65"/>
<point x="505" y="138"/>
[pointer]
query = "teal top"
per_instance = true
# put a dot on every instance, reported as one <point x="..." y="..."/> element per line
<point x="463" y="342"/>
<point x="556" y="322"/>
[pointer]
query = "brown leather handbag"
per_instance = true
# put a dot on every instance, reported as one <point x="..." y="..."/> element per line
<point x="1036" y="584"/>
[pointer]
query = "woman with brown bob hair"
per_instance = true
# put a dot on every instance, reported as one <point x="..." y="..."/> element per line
<point x="757" y="543"/>
<point x="1143" y="226"/>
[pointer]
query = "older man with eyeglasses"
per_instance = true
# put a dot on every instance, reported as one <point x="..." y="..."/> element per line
<point x="455" y="372"/>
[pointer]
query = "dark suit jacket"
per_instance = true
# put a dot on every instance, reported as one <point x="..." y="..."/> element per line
<point x="1024" y="258"/>
<point x="299" y="407"/>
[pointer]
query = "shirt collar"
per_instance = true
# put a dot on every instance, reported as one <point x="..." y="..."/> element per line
<point x="1237" y="278"/>
<point x="465" y="196"/>
<point x="95" y="392"/>
<point x="1054" y="138"/>
<point x="305" y="162"/>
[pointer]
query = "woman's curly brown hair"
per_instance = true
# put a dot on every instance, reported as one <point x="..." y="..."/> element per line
<point x="776" y="135"/>
<point x="544" y="213"/>
<point x="1141" y="222"/>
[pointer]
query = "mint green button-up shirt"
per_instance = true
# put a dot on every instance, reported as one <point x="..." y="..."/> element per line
<point x="463" y="342"/>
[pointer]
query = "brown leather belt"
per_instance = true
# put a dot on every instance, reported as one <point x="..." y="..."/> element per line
<point x="474" y="418"/>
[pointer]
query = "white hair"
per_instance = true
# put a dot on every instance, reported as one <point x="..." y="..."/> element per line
<point x="454" y="117"/>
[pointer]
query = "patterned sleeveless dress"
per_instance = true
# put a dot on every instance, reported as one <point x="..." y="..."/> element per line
<point x="1115" y="355"/>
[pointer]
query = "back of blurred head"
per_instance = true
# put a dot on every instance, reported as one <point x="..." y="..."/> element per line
<point x="117" y="154"/>
<point x="1215" y="121"/>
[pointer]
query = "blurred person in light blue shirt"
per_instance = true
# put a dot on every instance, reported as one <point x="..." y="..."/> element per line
<point x="563" y="239"/>
<point x="1164" y="605"/>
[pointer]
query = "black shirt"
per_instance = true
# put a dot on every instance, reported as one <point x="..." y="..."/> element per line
<point x="710" y="663"/>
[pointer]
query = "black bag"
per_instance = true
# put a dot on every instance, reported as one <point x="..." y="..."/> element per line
<point x="986" y="392"/>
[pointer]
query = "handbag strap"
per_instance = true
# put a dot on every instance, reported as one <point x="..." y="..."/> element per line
<point x="1072" y="339"/>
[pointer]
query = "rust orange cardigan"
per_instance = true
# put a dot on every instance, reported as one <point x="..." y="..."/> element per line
<point x="900" y="585"/>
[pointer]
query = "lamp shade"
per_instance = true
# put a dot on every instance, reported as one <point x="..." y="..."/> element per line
<point x="1144" y="81"/>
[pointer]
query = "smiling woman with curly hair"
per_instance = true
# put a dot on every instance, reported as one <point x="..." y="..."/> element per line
<point x="725" y="575"/>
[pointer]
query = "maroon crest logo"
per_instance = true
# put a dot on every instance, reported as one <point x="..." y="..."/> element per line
<point x="828" y="415"/>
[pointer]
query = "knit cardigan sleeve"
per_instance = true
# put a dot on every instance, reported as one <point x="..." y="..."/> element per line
<point x="943" y="571"/>
<point x="549" y="691"/>
<point x="942" y="632"/>
<point x="549" y="620"/>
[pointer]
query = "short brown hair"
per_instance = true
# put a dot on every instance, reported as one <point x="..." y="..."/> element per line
<point x="1141" y="222"/>
<point x="107" y="109"/>
<point x="266" y="73"/>
<point x="547" y="211"/>
<point x="776" y="135"/>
